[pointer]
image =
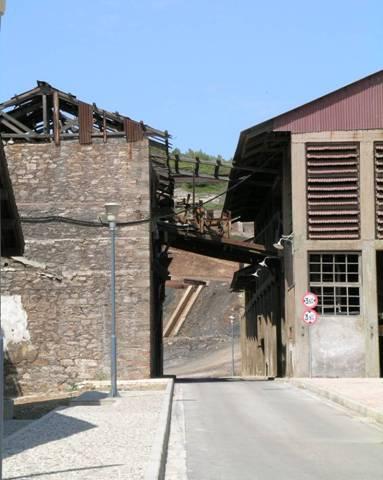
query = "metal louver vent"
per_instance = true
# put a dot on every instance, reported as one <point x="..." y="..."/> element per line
<point x="379" y="189"/>
<point x="333" y="191"/>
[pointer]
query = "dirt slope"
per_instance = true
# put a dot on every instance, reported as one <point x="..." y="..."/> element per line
<point x="203" y="346"/>
<point x="210" y="313"/>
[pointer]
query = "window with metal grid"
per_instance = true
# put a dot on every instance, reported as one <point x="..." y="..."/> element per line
<point x="333" y="191"/>
<point x="336" y="279"/>
<point x="379" y="189"/>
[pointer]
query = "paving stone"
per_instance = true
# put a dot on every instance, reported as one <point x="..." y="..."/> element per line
<point x="87" y="442"/>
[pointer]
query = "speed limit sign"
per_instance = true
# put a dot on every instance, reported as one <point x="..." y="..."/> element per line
<point x="310" y="316"/>
<point x="310" y="300"/>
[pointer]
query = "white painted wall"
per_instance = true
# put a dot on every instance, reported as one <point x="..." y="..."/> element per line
<point x="14" y="320"/>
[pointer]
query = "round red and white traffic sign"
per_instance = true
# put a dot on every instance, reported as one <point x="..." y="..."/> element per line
<point x="310" y="300"/>
<point x="310" y="316"/>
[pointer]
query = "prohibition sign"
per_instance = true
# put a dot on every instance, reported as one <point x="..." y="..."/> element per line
<point x="310" y="316"/>
<point x="310" y="300"/>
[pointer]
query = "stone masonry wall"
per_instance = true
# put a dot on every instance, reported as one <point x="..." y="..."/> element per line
<point x="65" y="289"/>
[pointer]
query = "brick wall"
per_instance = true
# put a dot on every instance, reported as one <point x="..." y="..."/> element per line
<point x="66" y="294"/>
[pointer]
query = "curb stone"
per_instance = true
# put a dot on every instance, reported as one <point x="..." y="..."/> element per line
<point x="341" y="400"/>
<point x="157" y="460"/>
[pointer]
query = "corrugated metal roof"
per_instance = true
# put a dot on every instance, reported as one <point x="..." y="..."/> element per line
<point x="358" y="106"/>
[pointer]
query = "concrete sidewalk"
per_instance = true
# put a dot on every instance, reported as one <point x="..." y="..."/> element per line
<point x="90" y="440"/>
<point x="361" y="395"/>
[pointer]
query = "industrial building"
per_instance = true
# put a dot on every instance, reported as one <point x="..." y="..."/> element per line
<point x="316" y="187"/>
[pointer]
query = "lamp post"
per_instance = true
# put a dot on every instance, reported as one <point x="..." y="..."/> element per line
<point x="111" y="210"/>
<point x="232" y="344"/>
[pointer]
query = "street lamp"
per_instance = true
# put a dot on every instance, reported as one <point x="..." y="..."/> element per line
<point x="256" y="273"/>
<point x="232" y="344"/>
<point x="111" y="210"/>
<point x="284" y="238"/>
<point x="2" y="9"/>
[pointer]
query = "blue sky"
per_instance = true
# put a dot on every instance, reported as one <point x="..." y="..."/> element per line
<point x="204" y="70"/>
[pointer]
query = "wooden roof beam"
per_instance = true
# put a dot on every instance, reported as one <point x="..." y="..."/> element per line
<point x="15" y="122"/>
<point x="17" y="99"/>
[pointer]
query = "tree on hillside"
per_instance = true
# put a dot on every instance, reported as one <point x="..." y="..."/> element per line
<point x="200" y="154"/>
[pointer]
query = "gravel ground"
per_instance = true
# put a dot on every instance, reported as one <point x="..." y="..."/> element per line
<point x="214" y="361"/>
<point x="87" y="442"/>
<point x="178" y="349"/>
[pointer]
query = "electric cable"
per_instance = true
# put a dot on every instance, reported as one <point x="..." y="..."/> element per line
<point x="100" y="223"/>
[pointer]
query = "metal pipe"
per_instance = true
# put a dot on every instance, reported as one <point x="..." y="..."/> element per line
<point x="232" y="345"/>
<point x="113" y="363"/>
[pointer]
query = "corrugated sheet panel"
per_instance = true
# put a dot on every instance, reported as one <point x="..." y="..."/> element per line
<point x="379" y="189"/>
<point x="85" y="120"/>
<point x="358" y="106"/>
<point x="332" y="172"/>
<point x="133" y="130"/>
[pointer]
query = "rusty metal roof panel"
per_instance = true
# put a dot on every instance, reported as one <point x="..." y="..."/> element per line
<point x="85" y="120"/>
<point x="133" y="130"/>
<point x="358" y="106"/>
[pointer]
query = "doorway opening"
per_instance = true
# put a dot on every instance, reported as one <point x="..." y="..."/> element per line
<point x="201" y="318"/>
<point x="379" y="276"/>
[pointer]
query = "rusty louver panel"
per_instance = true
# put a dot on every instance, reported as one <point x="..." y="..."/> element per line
<point x="379" y="189"/>
<point x="333" y="191"/>
<point x="85" y="120"/>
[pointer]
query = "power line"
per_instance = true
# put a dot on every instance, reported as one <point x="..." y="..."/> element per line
<point x="100" y="223"/>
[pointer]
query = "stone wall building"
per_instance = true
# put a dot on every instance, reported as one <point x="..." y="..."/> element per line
<point x="66" y="159"/>
<point x="316" y="182"/>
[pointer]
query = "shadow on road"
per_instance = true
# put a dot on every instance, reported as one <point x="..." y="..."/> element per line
<point x="219" y="379"/>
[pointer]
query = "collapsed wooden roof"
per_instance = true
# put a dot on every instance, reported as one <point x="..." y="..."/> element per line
<point x="48" y="114"/>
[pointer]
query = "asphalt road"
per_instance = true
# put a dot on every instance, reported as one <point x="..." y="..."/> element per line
<point x="239" y="430"/>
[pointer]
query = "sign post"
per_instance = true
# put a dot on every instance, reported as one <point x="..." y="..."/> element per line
<point x="310" y="316"/>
